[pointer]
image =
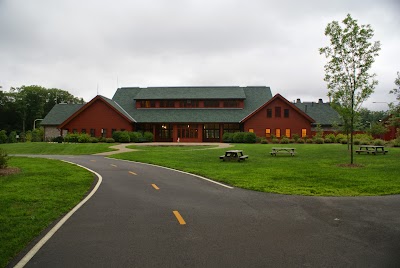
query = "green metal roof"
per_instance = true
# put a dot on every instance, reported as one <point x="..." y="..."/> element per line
<point x="322" y="113"/>
<point x="117" y="107"/>
<point x="178" y="93"/>
<point x="254" y="97"/>
<point x="59" y="113"/>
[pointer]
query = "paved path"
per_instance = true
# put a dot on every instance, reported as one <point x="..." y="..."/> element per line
<point x="130" y="223"/>
<point x="121" y="148"/>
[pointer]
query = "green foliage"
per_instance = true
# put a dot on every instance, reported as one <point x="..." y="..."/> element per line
<point x="72" y="137"/>
<point x="394" y="119"/>
<point x="379" y="142"/>
<point x="363" y="136"/>
<point x="340" y="137"/>
<point x="136" y="136"/>
<point x="284" y="140"/>
<point x="300" y="140"/>
<point x="3" y="158"/>
<point x="58" y="139"/>
<point x="84" y="138"/>
<point x="264" y="141"/>
<point x="238" y="137"/>
<point x="37" y="134"/>
<point x="110" y="140"/>
<point x="274" y="141"/>
<point x="93" y="140"/>
<point x="330" y="138"/>
<point x="3" y="136"/>
<point x="148" y="136"/>
<point x="12" y="138"/>
<point x="227" y="137"/>
<point x="296" y="137"/>
<point x="249" y="137"/>
<point x="350" y="56"/>
<point x="124" y="137"/>
<point x="319" y="131"/>
<point x="319" y="140"/>
<point x="309" y="141"/>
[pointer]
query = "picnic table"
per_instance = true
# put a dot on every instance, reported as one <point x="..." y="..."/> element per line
<point x="278" y="150"/>
<point x="233" y="155"/>
<point x="373" y="149"/>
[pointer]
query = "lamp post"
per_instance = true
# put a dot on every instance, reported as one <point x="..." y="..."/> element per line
<point x="34" y="123"/>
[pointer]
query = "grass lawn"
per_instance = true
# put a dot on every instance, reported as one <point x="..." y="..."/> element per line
<point x="43" y="191"/>
<point x="315" y="170"/>
<point x="56" y="148"/>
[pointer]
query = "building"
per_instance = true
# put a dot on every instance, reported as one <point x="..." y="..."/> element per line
<point x="190" y="114"/>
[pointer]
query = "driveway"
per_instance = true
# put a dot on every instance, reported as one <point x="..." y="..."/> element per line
<point x="148" y="216"/>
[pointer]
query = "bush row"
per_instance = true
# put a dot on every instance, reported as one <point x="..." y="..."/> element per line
<point x="126" y="136"/>
<point x="239" y="137"/>
<point x="28" y="136"/>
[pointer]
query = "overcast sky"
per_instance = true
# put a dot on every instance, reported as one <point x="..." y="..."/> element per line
<point x="88" y="46"/>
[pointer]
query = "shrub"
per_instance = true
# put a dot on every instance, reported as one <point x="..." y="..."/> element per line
<point x="72" y="137"/>
<point x="258" y="139"/>
<point x="300" y="140"/>
<point x="379" y="142"/>
<point x="295" y="137"/>
<point x="264" y="141"/>
<point x="124" y="137"/>
<point x="136" y="136"/>
<point x="116" y="135"/>
<point x="58" y="139"/>
<point x="339" y="137"/>
<point x="343" y="141"/>
<point x="249" y="137"/>
<point x="284" y="140"/>
<point x="274" y="140"/>
<point x="363" y="136"/>
<point x="356" y="142"/>
<point x="37" y="135"/>
<point x="365" y="142"/>
<point x="319" y="140"/>
<point x="84" y="138"/>
<point x="110" y="140"/>
<point x="94" y="140"/>
<point x="12" y="138"/>
<point x="396" y="143"/>
<point x="309" y="141"/>
<point x="330" y="138"/>
<point x="3" y="136"/>
<point x="3" y="159"/>
<point x="291" y="141"/>
<point x="227" y="137"/>
<point x="148" y="136"/>
<point x="238" y="137"/>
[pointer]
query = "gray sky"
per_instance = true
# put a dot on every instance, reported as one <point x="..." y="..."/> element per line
<point x="79" y="45"/>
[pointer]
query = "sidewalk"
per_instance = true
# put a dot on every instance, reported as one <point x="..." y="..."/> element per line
<point x="121" y="148"/>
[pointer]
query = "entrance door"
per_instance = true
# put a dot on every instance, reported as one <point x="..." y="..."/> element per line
<point x="188" y="132"/>
<point x="211" y="133"/>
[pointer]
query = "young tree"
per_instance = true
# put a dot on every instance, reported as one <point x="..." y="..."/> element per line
<point x="395" y="109"/>
<point x="350" y="56"/>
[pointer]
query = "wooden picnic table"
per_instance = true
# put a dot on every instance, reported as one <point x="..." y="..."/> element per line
<point x="277" y="150"/>
<point x="373" y="149"/>
<point x="234" y="155"/>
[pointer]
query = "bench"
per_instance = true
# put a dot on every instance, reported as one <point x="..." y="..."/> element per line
<point x="234" y="155"/>
<point x="371" y="149"/>
<point x="276" y="151"/>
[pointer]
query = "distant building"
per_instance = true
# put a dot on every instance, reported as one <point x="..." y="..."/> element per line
<point x="191" y="114"/>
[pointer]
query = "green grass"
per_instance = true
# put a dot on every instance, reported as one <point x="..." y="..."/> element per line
<point x="315" y="170"/>
<point x="43" y="191"/>
<point x="56" y="148"/>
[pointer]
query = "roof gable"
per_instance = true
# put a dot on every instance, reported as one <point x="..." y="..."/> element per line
<point x="278" y="96"/>
<point x="112" y="104"/>
<point x="59" y="113"/>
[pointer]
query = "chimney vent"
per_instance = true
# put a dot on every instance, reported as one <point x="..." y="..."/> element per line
<point x="298" y="101"/>
<point x="320" y="101"/>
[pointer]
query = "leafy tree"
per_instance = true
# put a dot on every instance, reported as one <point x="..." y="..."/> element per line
<point x="395" y="108"/>
<point x="350" y="56"/>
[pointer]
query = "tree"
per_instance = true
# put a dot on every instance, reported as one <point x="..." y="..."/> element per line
<point x="395" y="109"/>
<point x="350" y="56"/>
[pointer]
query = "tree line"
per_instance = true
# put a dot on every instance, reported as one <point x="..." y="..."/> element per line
<point x="21" y="106"/>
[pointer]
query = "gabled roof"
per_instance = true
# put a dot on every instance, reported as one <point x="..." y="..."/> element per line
<point x="59" y="113"/>
<point x="278" y="96"/>
<point x="253" y="98"/>
<point x="178" y="93"/>
<point x="323" y="113"/>
<point x="112" y="104"/>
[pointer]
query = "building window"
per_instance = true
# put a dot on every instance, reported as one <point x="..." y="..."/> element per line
<point x="231" y="128"/>
<point x="278" y="132"/>
<point x="165" y="131"/>
<point x="286" y="113"/>
<point x="83" y="131"/>
<point x="269" y="113"/>
<point x="74" y="131"/>
<point x="188" y="131"/>
<point x="92" y="132"/>
<point x="189" y="104"/>
<point x="303" y="132"/>
<point x="268" y="133"/>
<point x="211" y="103"/>
<point x="104" y="132"/>
<point x="167" y="103"/>
<point x="251" y="130"/>
<point x="231" y="103"/>
<point x="277" y="111"/>
<point x="211" y="131"/>
<point x="287" y="132"/>
<point x="147" y="103"/>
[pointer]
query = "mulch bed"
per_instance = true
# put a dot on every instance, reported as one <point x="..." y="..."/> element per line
<point x="9" y="171"/>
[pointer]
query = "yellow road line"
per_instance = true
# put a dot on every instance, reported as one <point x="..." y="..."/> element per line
<point x="92" y="160"/>
<point x="179" y="217"/>
<point x="113" y="165"/>
<point x="155" y="186"/>
<point x="133" y="173"/>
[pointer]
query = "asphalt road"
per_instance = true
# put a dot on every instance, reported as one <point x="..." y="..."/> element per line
<point x="131" y="223"/>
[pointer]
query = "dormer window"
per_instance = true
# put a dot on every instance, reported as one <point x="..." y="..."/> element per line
<point x="189" y="104"/>
<point x="147" y="104"/>
<point x="211" y="103"/>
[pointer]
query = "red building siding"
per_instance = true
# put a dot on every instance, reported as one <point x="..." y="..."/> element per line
<point x="296" y="121"/>
<point x="98" y="115"/>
